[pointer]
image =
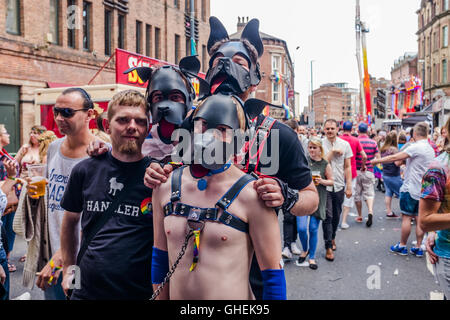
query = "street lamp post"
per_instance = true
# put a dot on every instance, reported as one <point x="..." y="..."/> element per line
<point x="312" y="97"/>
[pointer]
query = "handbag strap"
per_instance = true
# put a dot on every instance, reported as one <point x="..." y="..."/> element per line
<point x="100" y="222"/>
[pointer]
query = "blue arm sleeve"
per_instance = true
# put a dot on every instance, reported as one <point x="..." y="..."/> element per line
<point x="160" y="265"/>
<point x="274" y="285"/>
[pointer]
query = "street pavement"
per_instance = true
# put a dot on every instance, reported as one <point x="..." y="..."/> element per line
<point x="363" y="268"/>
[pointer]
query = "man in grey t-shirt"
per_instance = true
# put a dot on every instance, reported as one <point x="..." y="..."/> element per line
<point x="418" y="156"/>
<point x="73" y="110"/>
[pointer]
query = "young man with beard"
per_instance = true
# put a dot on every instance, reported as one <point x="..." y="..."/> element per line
<point x="217" y="202"/>
<point x="115" y="255"/>
<point x="72" y="111"/>
<point x="285" y="181"/>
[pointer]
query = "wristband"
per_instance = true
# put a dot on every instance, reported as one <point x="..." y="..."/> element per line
<point x="290" y="196"/>
<point x="160" y="265"/>
<point x="274" y="285"/>
<point x="12" y="178"/>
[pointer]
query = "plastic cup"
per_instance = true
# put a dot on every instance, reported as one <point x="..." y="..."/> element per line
<point x="316" y="175"/>
<point x="37" y="174"/>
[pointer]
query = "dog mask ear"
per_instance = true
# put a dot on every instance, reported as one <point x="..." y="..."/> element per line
<point x="190" y="67"/>
<point x="217" y="32"/>
<point x="145" y="73"/>
<point x="254" y="107"/>
<point x="251" y="33"/>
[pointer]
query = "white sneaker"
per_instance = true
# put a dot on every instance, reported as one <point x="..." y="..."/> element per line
<point x="286" y="253"/>
<point x="344" y="226"/>
<point x="295" y="249"/>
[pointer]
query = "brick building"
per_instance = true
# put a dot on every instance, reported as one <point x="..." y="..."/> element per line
<point x="277" y="84"/>
<point x="334" y="101"/>
<point x="404" y="67"/>
<point x="53" y="42"/>
<point x="433" y="44"/>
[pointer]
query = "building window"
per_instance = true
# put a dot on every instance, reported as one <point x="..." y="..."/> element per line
<point x="87" y="14"/>
<point x="157" y="43"/>
<point x="108" y="31"/>
<point x="177" y="49"/>
<point x="138" y="37"/>
<point x="188" y="46"/>
<point x="444" y="5"/>
<point x="176" y="4"/>
<point x="444" y="71"/>
<point x="121" y="35"/>
<point x="445" y="36"/>
<point x="148" y="40"/>
<point x="204" y="10"/>
<point x="54" y="21"/>
<point x="276" y="89"/>
<point x="204" y="55"/>
<point x="13" y="16"/>
<point x="276" y="64"/>
<point x="71" y="9"/>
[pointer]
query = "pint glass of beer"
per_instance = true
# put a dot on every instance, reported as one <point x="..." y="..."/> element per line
<point x="37" y="174"/>
<point x="316" y="175"/>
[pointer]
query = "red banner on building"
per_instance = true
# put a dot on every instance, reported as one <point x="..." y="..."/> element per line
<point x="126" y="60"/>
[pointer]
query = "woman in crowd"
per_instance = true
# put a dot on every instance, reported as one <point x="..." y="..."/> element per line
<point x="401" y="140"/>
<point x="391" y="173"/>
<point x="443" y="139"/>
<point x="29" y="152"/>
<point x="12" y="193"/>
<point x="9" y="167"/>
<point x="434" y="216"/>
<point x="323" y="177"/>
<point x="44" y="142"/>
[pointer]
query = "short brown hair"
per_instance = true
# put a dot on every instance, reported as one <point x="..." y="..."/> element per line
<point x="331" y="120"/>
<point x="421" y="129"/>
<point x="131" y="98"/>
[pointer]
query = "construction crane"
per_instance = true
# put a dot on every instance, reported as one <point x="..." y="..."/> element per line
<point x="361" y="31"/>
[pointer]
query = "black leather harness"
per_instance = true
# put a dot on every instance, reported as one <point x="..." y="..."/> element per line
<point x="197" y="214"/>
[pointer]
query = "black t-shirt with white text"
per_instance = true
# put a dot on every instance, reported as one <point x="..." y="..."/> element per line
<point x="117" y="263"/>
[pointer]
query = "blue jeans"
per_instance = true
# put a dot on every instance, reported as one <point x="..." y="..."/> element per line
<point x="4" y="263"/>
<point x="55" y="291"/>
<point x="408" y="205"/>
<point x="393" y="185"/>
<point x="302" y="226"/>
<point x="10" y="234"/>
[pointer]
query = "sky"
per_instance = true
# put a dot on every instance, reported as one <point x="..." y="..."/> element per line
<point x="324" y="31"/>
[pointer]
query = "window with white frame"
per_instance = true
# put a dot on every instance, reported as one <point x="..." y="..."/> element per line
<point x="276" y="92"/>
<point x="276" y="63"/>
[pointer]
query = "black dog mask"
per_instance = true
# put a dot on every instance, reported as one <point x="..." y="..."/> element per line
<point x="170" y="114"/>
<point x="228" y="76"/>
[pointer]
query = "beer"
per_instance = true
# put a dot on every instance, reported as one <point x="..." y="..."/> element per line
<point x="316" y="175"/>
<point x="40" y="183"/>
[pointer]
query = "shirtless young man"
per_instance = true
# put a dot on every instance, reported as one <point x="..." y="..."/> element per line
<point x="219" y="269"/>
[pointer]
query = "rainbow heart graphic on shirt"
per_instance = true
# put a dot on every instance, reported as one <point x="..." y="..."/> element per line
<point x="146" y="206"/>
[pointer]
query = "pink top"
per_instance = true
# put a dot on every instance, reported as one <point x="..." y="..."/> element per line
<point x="356" y="149"/>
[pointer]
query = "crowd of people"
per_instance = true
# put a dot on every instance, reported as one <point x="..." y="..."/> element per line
<point x="162" y="221"/>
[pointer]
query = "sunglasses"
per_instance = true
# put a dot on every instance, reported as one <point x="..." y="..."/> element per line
<point x="66" y="112"/>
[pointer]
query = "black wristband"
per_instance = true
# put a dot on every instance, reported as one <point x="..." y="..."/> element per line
<point x="290" y="196"/>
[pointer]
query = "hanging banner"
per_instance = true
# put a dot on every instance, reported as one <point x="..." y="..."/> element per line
<point x="126" y="60"/>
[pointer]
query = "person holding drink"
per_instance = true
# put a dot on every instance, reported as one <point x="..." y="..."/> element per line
<point x="322" y="175"/>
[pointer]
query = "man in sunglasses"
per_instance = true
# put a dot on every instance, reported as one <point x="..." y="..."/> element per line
<point x="72" y="111"/>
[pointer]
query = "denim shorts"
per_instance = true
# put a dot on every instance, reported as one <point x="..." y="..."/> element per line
<point x="393" y="185"/>
<point x="408" y="205"/>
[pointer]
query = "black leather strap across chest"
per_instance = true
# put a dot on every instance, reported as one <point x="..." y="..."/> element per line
<point x="207" y="214"/>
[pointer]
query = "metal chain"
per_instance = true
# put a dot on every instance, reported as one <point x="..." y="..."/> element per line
<point x="174" y="266"/>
